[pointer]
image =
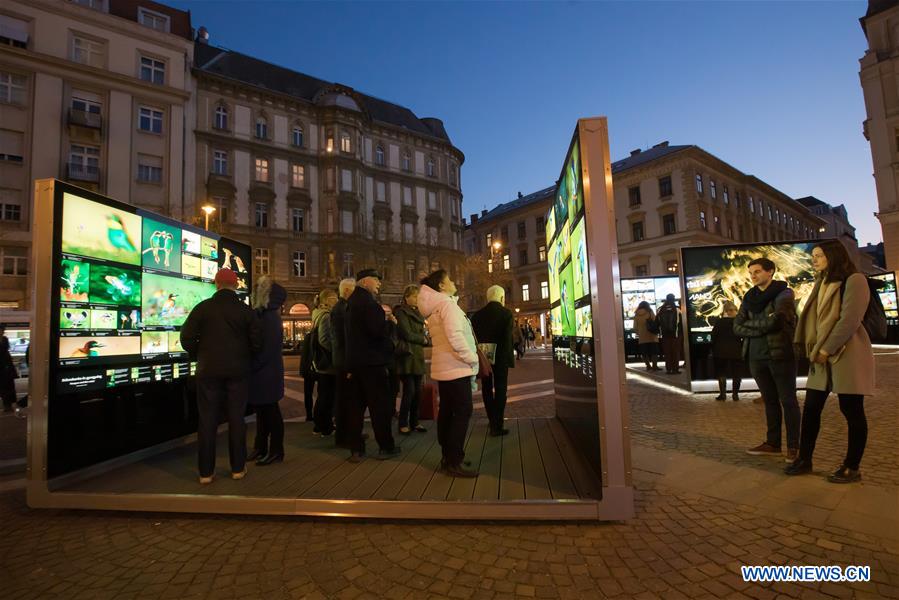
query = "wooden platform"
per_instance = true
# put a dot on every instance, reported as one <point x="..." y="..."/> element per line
<point x="534" y="472"/>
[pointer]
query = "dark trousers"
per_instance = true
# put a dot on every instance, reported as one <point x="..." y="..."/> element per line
<point x="671" y="350"/>
<point x="411" y="398"/>
<point x="269" y="429"/>
<point x="343" y="397"/>
<point x="324" y="407"/>
<point x="308" y="391"/>
<point x="494" y="390"/>
<point x="777" y="383"/>
<point x="853" y="408"/>
<point x="372" y="389"/>
<point x="728" y="367"/>
<point x="215" y="395"/>
<point x="453" y="417"/>
<point x="648" y="352"/>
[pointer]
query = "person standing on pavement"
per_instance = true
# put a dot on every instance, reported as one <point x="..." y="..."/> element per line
<point x="8" y="373"/>
<point x="831" y="334"/>
<point x="410" y="358"/>
<point x="727" y="351"/>
<point x="766" y="321"/>
<point x="342" y="388"/>
<point x="517" y="339"/>
<point x="369" y="351"/>
<point x="222" y="334"/>
<point x="454" y="366"/>
<point x="323" y="363"/>
<point x="307" y="372"/>
<point x="494" y="324"/>
<point x="267" y="379"/>
<point x="647" y="341"/>
<point x="671" y="329"/>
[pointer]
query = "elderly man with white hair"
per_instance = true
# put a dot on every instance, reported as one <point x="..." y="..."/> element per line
<point x="493" y="324"/>
<point x="342" y="391"/>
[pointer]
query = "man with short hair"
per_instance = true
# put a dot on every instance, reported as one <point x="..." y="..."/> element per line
<point x="323" y="363"/>
<point x="494" y="324"/>
<point x="222" y="333"/>
<point x="369" y="351"/>
<point x="670" y="330"/>
<point x="766" y="322"/>
<point x="343" y="391"/>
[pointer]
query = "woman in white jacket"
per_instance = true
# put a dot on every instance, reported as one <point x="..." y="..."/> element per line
<point x="454" y="366"/>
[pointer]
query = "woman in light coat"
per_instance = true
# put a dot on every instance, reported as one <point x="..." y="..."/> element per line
<point x="646" y="340"/>
<point x="454" y="366"/>
<point x="830" y="333"/>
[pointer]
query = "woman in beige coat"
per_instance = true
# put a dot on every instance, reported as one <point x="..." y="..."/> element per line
<point x="830" y="333"/>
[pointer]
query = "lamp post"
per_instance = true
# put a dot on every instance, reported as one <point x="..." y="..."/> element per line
<point x="208" y="210"/>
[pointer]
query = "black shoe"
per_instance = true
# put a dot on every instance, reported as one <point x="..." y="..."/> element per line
<point x="256" y="454"/>
<point x="720" y="397"/>
<point x="459" y="471"/>
<point x="269" y="459"/>
<point x="736" y="397"/>
<point x="356" y="457"/>
<point x="798" y="467"/>
<point x="498" y="432"/>
<point x="389" y="453"/>
<point x="466" y="463"/>
<point x="845" y="475"/>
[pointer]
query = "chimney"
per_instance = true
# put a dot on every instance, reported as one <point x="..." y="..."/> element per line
<point x="661" y="144"/>
<point x="474" y="218"/>
<point x="635" y="152"/>
<point x="520" y="195"/>
<point x="484" y="213"/>
<point x="203" y="35"/>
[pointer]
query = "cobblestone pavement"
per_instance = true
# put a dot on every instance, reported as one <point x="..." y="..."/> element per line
<point x="680" y="545"/>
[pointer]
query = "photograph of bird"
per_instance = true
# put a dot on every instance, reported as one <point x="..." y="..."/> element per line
<point x="239" y="264"/>
<point x="119" y="284"/>
<point x="117" y="234"/>
<point x="227" y="262"/>
<point x="168" y="307"/>
<point x="89" y="349"/>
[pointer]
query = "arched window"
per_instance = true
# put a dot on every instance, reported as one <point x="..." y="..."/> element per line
<point x="298" y="135"/>
<point x="431" y="171"/>
<point x="407" y="161"/>
<point x="221" y="117"/>
<point x="379" y="155"/>
<point x="261" y="128"/>
<point x="346" y="144"/>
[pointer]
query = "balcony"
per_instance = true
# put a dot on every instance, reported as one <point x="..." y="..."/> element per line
<point x="83" y="118"/>
<point x="82" y="172"/>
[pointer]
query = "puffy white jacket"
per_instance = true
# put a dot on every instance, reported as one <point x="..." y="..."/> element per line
<point x="454" y="354"/>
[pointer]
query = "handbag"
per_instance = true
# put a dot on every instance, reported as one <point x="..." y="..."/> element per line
<point x="484" y="368"/>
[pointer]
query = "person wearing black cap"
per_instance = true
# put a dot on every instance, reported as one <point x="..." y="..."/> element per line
<point x="369" y="351"/>
<point x="222" y="334"/>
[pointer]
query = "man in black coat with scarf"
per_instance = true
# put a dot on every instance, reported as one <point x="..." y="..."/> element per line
<point x="494" y="324"/>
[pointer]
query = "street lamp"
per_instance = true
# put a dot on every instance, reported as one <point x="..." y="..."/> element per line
<point x="208" y="210"/>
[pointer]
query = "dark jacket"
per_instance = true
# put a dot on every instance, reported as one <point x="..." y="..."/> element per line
<point x="410" y="326"/>
<point x="494" y="324"/>
<point x="671" y="323"/>
<point x="267" y="380"/>
<point x="777" y="324"/>
<point x="338" y="335"/>
<point x="222" y="334"/>
<point x="368" y="333"/>
<point x="725" y="344"/>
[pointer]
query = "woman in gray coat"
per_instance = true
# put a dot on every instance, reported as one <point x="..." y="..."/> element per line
<point x="830" y="333"/>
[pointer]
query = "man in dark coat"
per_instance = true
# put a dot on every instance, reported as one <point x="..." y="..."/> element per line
<point x="267" y="379"/>
<point x="342" y="390"/>
<point x="221" y="334"/>
<point x="670" y="330"/>
<point x="369" y="351"/>
<point x="7" y="373"/>
<point x="494" y="324"/>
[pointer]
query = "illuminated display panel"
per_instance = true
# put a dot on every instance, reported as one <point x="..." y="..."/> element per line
<point x="651" y="289"/>
<point x="888" y="296"/>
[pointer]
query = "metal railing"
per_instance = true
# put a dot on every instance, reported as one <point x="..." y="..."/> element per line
<point x="83" y="172"/>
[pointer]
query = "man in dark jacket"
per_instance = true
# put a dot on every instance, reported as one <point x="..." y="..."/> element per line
<point x="670" y="330"/>
<point x="369" y="351"/>
<point x="766" y="322"/>
<point x="343" y="392"/>
<point x="221" y="334"/>
<point x="494" y="324"/>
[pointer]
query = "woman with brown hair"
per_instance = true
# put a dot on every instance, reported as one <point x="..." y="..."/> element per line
<point x="831" y="334"/>
<point x="410" y="358"/>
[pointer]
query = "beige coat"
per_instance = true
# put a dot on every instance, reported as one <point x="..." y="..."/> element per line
<point x="643" y="334"/>
<point x="835" y="326"/>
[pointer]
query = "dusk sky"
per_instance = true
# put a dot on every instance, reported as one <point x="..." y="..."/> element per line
<point x="771" y="88"/>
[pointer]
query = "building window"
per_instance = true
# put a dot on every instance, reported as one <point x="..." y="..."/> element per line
<point x="633" y="196"/>
<point x="345" y="142"/>
<point x="713" y="189"/>
<point x="432" y="235"/>
<point x="152" y="70"/>
<point x="751" y="205"/>
<point x="454" y="206"/>
<point x="489" y="240"/>
<point x="525" y="292"/>
<point x="408" y="233"/>
<point x="380" y="191"/>
<point x="86" y="106"/>
<point x="506" y="262"/>
<point x="522" y="257"/>
<point x="671" y="266"/>
<point x="261" y="215"/>
<point x="261" y="128"/>
<point x="14" y="260"/>
<point x="330" y="178"/>
<point x="432" y="201"/>
<point x="669" y="224"/>
<point x="346" y="221"/>
<point x="522" y="230"/>
<point x="541" y="253"/>
<point x="221" y="117"/>
<point x="221" y="205"/>
<point x="432" y="172"/>
<point x="153" y="20"/>
<point x="410" y="271"/>
<point x="261" y="261"/>
<point x="299" y="264"/>
<point x="737" y="200"/>
<point x="346" y="180"/>
<point x="379" y="155"/>
<point x="490" y="266"/>
<point x="717" y="224"/>
<point x="261" y="171"/>
<point x="540" y="225"/>
<point x="407" y="161"/>
<point x="84" y="162"/>
<point x="702" y="222"/>
<point x="10" y="212"/>
<point x="298" y="136"/>
<point x="453" y="170"/>
<point x="88" y="52"/>
<point x="11" y="146"/>
<point x="544" y="290"/>
<point x="149" y="120"/>
<point x="13" y="32"/>
<point x="504" y="234"/>
<point x="699" y="184"/>
<point x="297" y="220"/>
<point x="637" y="231"/>
<point x="149" y="168"/>
<point x="726" y="197"/>
<point x="12" y="88"/>
<point x="381" y="230"/>
<point x="770" y="213"/>
<point x="407" y="196"/>
<point x="730" y="230"/>
<point x="348" y="270"/>
<point x="665" y="186"/>
<point x="641" y="270"/>
<point x="298" y="176"/>
<point x="220" y="162"/>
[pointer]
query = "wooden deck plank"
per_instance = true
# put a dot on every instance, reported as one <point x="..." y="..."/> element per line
<point x="511" y="483"/>
<point x="422" y="473"/>
<point x="585" y="481"/>
<point x="463" y="488"/>
<point x="440" y="483"/>
<point x="365" y="484"/>
<point x="314" y="457"/>
<point x="392" y="485"/>
<point x="487" y="485"/>
<point x="536" y="486"/>
<point x="560" y="484"/>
